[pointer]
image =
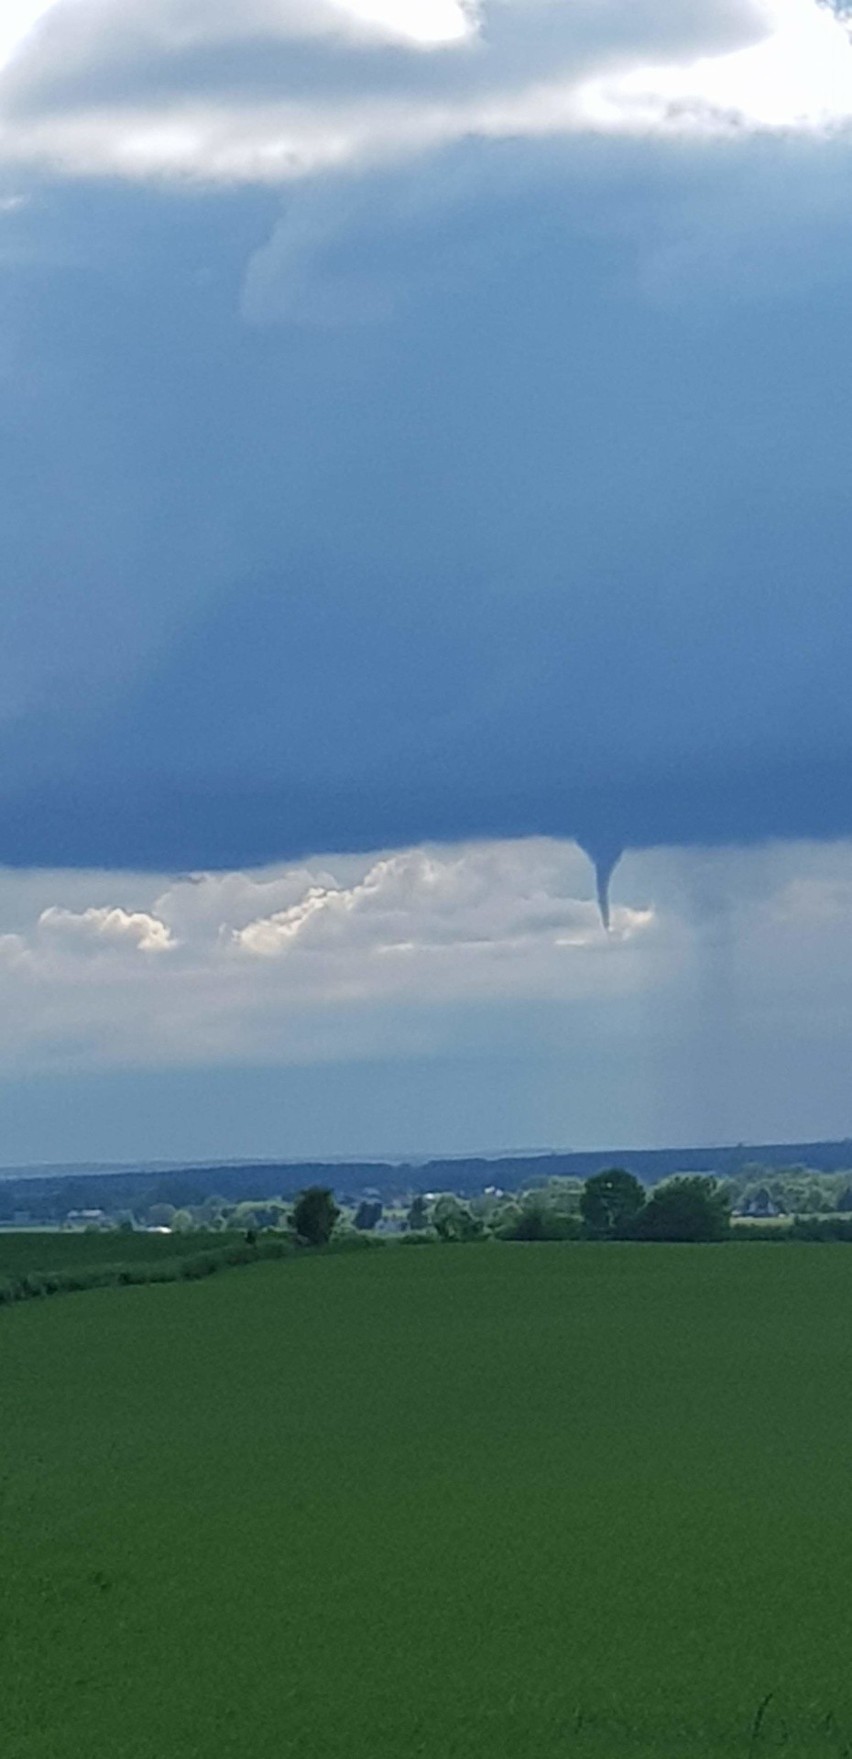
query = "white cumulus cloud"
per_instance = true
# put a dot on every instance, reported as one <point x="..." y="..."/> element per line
<point x="102" y="926"/>
<point x="798" y="76"/>
<point x="470" y="950"/>
<point x="423" y="900"/>
<point x="329" y="959"/>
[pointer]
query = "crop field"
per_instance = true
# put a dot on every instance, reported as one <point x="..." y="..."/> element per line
<point x="483" y="1502"/>
<point x="68" y="1249"/>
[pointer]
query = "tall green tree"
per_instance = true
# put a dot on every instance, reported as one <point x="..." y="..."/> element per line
<point x="368" y="1215"/>
<point x="418" y="1214"/>
<point x="610" y="1203"/>
<point x="314" y="1215"/>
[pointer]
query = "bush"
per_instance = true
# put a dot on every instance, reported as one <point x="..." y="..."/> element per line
<point x="34" y="1284"/>
<point x="827" y="1227"/>
<point x="419" y="1237"/>
<point x="348" y="1239"/>
<point x="536" y="1219"/>
<point x="741" y="1230"/>
<point x="689" y="1207"/>
<point x="278" y="1246"/>
<point x="167" y="1272"/>
<point x="200" y="1265"/>
<point x="454" y="1221"/>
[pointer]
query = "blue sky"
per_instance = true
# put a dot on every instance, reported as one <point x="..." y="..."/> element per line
<point x="424" y="430"/>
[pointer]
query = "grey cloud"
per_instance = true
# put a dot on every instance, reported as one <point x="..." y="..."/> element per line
<point x="99" y="49"/>
<point x="155" y="87"/>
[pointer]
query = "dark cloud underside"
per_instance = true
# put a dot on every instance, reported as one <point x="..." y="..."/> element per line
<point x="514" y="499"/>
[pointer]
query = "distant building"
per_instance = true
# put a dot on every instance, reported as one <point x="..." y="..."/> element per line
<point x="761" y="1207"/>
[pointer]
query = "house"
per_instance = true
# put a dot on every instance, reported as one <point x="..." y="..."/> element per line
<point x="87" y="1218"/>
<point x="760" y="1207"/>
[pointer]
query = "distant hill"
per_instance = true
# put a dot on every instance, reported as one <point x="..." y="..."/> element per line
<point x="49" y="1192"/>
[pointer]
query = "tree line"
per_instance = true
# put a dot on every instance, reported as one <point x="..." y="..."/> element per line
<point x="611" y="1205"/>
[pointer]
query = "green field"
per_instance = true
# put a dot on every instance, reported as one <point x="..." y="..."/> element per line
<point x="487" y="1502"/>
<point x="69" y="1249"/>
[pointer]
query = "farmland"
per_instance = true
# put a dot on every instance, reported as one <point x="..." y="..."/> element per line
<point x="455" y="1502"/>
<point x="55" y="1249"/>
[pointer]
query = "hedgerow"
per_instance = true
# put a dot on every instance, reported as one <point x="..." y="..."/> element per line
<point x="37" y="1284"/>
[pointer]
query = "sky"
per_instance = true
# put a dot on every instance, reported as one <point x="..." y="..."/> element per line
<point x="423" y="480"/>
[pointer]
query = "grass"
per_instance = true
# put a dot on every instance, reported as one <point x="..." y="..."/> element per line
<point x="68" y="1249"/>
<point x="490" y="1502"/>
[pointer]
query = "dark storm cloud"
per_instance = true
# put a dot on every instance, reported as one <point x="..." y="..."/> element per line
<point x="560" y="545"/>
